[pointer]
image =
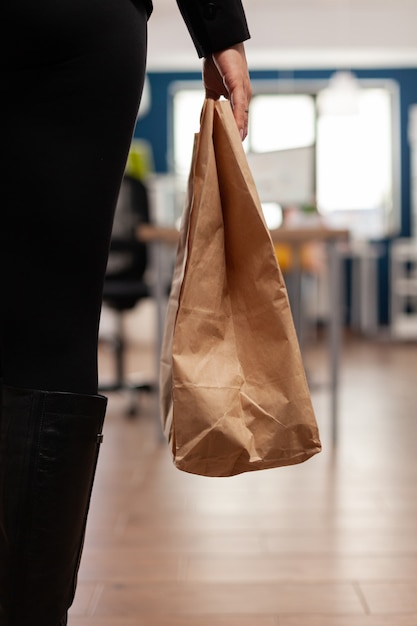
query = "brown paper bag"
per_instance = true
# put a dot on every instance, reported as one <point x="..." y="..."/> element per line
<point x="234" y="396"/>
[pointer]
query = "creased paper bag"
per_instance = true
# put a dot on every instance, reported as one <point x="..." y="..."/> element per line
<point x="234" y="396"/>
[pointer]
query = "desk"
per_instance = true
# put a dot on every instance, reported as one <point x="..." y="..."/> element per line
<point x="296" y="238"/>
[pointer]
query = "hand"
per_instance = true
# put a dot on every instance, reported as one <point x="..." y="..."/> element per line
<point x="226" y="73"/>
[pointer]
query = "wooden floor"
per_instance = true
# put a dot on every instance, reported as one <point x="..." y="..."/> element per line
<point x="332" y="542"/>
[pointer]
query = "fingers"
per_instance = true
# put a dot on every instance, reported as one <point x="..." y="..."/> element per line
<point x="233" y="70"/>
<point x="240" y="105"/>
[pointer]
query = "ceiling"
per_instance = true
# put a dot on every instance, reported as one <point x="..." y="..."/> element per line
<point x="301" y="33"/>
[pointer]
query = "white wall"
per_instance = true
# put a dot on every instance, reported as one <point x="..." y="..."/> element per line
<point x="307" y="33"/>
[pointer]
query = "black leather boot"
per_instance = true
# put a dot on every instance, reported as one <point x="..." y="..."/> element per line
<point x="2" y="614"/>
<point x="49" y="445"/>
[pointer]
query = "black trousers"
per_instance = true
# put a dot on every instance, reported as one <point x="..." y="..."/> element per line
<point x="71" y="76"/>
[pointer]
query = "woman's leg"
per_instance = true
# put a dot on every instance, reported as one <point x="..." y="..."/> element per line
<point x="49" y="445"/>
<point x="72" y="74"/>
<point x="73" y="80"/>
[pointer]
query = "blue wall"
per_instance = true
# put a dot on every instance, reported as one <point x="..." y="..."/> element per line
<point x="154" y="128"/>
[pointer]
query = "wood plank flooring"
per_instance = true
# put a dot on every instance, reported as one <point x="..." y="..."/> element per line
<point x="331" y="542"/>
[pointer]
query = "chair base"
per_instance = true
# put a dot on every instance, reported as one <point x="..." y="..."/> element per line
<point x="133" y="389"/>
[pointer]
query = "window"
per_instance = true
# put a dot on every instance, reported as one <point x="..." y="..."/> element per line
<point x="187" y="106"/>
<point x="354" y="160"/>
<point x="281" y="122"/>
<point x="344" y="162"/>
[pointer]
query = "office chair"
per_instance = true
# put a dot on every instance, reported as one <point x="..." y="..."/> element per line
<point x="125" y="283"/>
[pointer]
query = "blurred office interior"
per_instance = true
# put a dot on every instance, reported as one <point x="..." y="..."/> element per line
<point x="333" y="147"/>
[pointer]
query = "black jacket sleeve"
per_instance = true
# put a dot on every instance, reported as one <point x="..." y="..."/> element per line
<point x="214" y="24"/>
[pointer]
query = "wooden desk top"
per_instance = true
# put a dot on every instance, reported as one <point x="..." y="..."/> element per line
<point x="162" y="234"/>
<point x="303" y="234"/>
<point x="292" y="236"/>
